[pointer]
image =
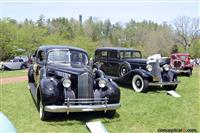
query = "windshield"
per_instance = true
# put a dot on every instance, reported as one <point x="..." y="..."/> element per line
<point x="66" y="56"/>
<point x="183" y="57"/>
<point x="130" y="54"/>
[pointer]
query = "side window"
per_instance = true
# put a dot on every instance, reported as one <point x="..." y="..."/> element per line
<point x="20" y="60"/>
<point x="128" y="54"/>
<point x="122" y="54"/>
<point x="15" y="60"/>
<point x="97" y="54"/>
<point x="113" y="54"/>
<point x="41" y="56"/>
<point x="104" y="54"/>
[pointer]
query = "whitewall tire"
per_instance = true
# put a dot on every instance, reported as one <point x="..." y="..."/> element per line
<point x="139" y="84"/>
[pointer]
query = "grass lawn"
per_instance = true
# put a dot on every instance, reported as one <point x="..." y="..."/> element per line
<point x="139" y="112"/>
<point x="14" y="73"/>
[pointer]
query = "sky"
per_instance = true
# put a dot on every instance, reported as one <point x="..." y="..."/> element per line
<point x="116" y="11"/>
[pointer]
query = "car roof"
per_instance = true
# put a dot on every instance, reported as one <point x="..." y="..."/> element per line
<point x="49" y="47"/>
<point x="117" y="48"/>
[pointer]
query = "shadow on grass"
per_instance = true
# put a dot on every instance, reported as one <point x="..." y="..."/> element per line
<point x="82" y="117"/>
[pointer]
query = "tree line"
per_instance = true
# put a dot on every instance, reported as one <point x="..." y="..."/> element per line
<point x="17" y="38"/>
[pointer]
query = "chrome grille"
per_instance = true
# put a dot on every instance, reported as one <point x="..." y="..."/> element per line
<point x="85" y="86"/>
<point x="156" y="71"/>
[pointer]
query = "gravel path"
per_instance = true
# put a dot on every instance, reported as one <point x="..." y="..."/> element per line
<point x="13" y="79"/>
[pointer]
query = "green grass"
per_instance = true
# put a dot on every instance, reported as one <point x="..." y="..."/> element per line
<point x="139" y="112"/>
<point x="14" y="73"/>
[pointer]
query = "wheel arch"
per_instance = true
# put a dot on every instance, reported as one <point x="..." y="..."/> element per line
<point x="140" y="72"/>
<point x="126" y="64"/>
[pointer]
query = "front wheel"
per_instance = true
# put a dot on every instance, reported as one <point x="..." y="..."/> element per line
<point x="110" y="113"/>
<point x="124" y="69"/>
<point x="140" y="84"/>
<point x="43" y="114"/>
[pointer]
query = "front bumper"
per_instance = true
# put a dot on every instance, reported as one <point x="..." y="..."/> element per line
<point x="163" y="83"/>
<point x="183" y="71"/>
<point x="81" y="108"/>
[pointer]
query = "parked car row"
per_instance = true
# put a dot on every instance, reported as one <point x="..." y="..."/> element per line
<point x="19" y="62"/>
<point x="62" y="79"/>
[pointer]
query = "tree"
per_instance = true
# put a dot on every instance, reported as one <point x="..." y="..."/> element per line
<point x="187" y="30"/>
<point x="41" y="21"/>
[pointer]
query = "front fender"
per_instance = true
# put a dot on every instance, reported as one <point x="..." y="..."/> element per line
<point x="141" y="72"/>
<point x="111" y="91"/>
<point x="49" y="91"/>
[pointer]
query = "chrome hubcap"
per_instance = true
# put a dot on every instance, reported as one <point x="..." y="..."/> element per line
<point x="123" y="71"/>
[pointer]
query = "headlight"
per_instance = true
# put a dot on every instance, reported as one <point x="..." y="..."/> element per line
<point x="166" y="67"/>
<point x="102" y="83"/>
<point x="66" y="83"/>
<point x="149" y="67"/>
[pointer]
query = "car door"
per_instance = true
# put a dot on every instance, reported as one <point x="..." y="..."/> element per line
<point x="113" y="62"/>
<point x="38" y="63"/>
<point x="101" y="57"/>
<point x="16" y="64"/>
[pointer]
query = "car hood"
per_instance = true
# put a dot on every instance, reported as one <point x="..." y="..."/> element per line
<point x="137" y="60"/>
<point x="69" y="68"/>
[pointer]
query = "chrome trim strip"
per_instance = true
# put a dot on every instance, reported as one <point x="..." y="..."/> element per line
<point x="163" y="83"/>
<point x="81" y="108"/>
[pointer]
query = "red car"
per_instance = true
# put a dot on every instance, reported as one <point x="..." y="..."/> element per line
<point x="181" y="62"/>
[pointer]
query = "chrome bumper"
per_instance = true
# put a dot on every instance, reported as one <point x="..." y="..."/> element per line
<point x="163" y="83"/>
<point x="183" y="71"/>
<point x="81" y="108"/>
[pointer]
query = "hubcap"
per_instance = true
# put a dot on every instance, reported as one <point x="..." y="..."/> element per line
<point x="123" y="71"/>
<point x="138" y="83"/>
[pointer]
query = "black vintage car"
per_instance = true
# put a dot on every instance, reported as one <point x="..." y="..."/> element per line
<point x="60" y="80"/>
<point x="127" y="65"/>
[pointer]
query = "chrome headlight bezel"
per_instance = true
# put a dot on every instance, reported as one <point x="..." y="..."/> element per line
<point x="166" y="67"/>
<point x="149" y="67"/>
<point x="66" y="83"/>
<point x="102" y="83"/>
